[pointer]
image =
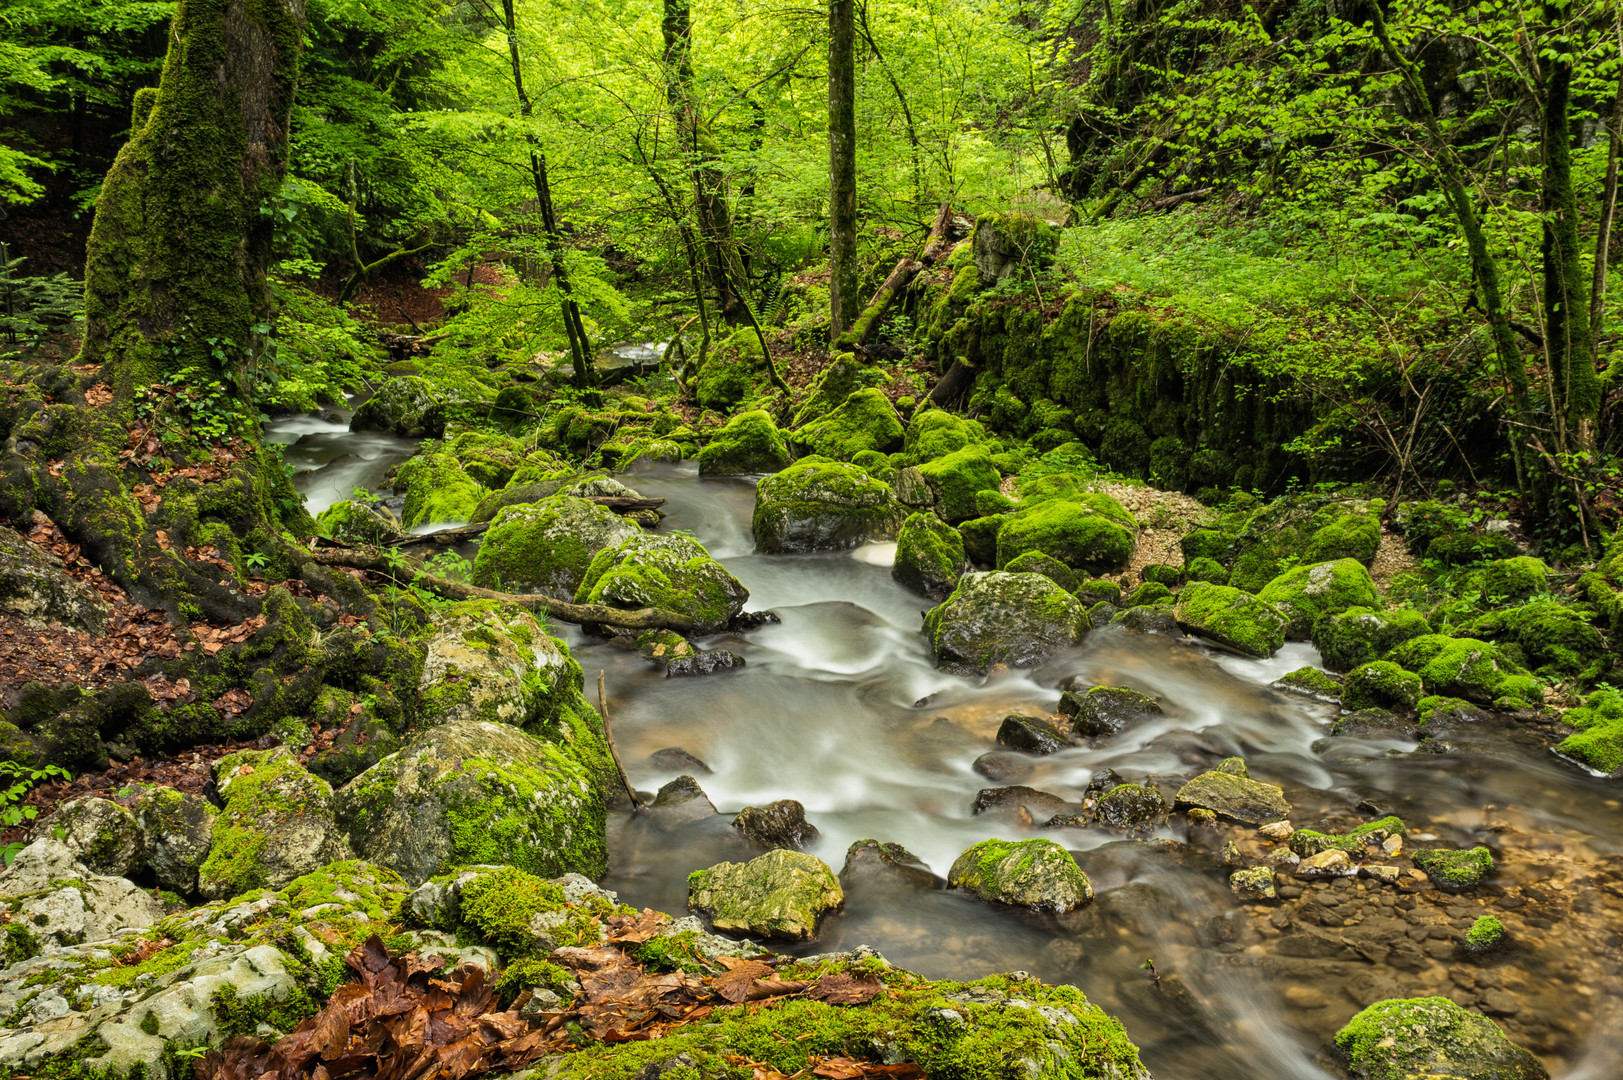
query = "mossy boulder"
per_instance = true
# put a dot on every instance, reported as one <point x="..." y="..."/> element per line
<point x="1090" y="533"/>
<point x="1037" y="874"/>
<point x="749" y="443"/>
<point x="821" y="505"/>
<point x="674" y="573"/>
<point x="1598" y="741"/>
<point x="864" y="421"/>
<point x="1150" y="592"/>
<point x="1555" y="640"/>
<point x="1001" y="618"/>
<point x="1202" y="568"/>
<point x="177" y="830"/>
<point x="1309" y="842"/>
<point x="1035" y="562"/>
<point x="1454" y="870"/>
<point x="782" y="894"/>
<point x="929" y="556"/>
<point x="1431" y="1038"/>
<point x="980" y="539"/>
<point x="547" y="547"/>
<point x="724" y="380"/>
<point x="1465" y="548"/>
<point x="1107" y="710"/>
<point x="933" y="433"/>
<point x="357" y="523"/>
<point x="1213" y="544"/>
<point x="1466" y="668"/>
<point x="1006" y="244"/>
<point x="1309" y="682"/>
<point x="417" y="407"/>
<point x="1234" y="795"/>
<point x="1231" y="617"/>
<point x="471" y="792"/>
<point x="489" y="661"/>
<point x="1137" y="807"/>
<point x="831" y="387"/>
<point x="36" y="587"/>
<point x="1361" y="634"/>
<point x="957" y="479"/>
<point x="1307" y="593"/>
<point x="1293" y="530"/>
<point x="1380" y="684"/>
<point x="101" y="834"/>
<point x="1515" y="579"/>
<point x="277" y="824"/>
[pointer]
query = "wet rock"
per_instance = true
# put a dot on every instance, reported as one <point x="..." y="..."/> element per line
<point x="749" y="443"/>
<point x="676" y="759"/>
<point x="1332" y="863"/>
<point x="357" y="522"/>
<point x="1371" y="834"/>
<point x="1032" y="734"/>
<point x="100" y="833"/>
<point x="416" y="408"/>
<point x="59" y="901"/>
<point x="473" y="792"/>
<point x="484" y="661"/>
<point x="1380" y="684"/>
<point x="781" y="824"/>
<point x="1032" y="873"/>
<point x="1237" y="797"/>
<point x="35" y="586"/>
<point x="705" y="662"/>
<point x="1040" y="804"/>
<point x="1157" y="619"/>
<point x="682" y="801"/>
<point x="547" y="547"/>
<point x="1309" y="682"/>
<point x="876" y="858"/>
<point x="1000" y="618"/>
<point x="1252" y="885"/>
<point x="277" y="824"/>
<point x="1305" y="594"/>
<point x="929" y="556"/>
<point x="821" y="505"/>
<point x="1374" y="724"/>
<point x="1433" y="1038"/>
<point x="781" y="894"/>
<point x="1231" y="617"/>
<point x="1107" y="710"/>
<point x="674" y="573"/>
<point x="177" y="828"/>
<point x="1278" y="830"/>
<point x="1102" y="781"/>
<point x="1454" y="870"/>
<point x="1003" y="767"/>
<point x="1131" y="806"/>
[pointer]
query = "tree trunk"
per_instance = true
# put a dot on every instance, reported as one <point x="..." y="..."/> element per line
<point x="947" y="228"/>
<point x="842" y="166"/>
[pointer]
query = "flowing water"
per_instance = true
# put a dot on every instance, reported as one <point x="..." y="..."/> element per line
<point x="840" y="707"/>
<point x="330" y="461"/>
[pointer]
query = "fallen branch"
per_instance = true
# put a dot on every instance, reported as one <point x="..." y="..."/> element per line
<point x="946" y="230"/>
<point x="379" y="562"/>
<point x="608" y="737"/>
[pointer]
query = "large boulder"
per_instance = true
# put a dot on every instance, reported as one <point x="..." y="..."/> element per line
<point x="929" y="556"/>
<point x="547" y="547"/>
<point x="35" y="586"/>
<point x="437" y="489"/>
<point x="1032" y="873"/>
<point x="1307" y="593"/>
<point x="485" y="660"/>
<point x="474" y="792"/>
<point x="864" y="421"/>
<point x="822" y="505"/>
<point x="1467" y="668"/>
<point x="277" y="824"/>
<point x="749" y="443"/>
<point x="100" y="833"/>
<point x="1000" y="618"/>
<point x="671" y="572"/>
<point x="1087" y="531"/>
<point x="357" y="523"/>
<point x="415" y="407"/>
<point x="1230" y="793"/>
<point x="1431" y="1038"/>
<point x="177" y="829"/>
<point x="56" y="899"/>
<point x="954" y="480"/>
<point x="781" y="894"/>
<point x="1361" y="634"/>
<point x="1231" y="617"/>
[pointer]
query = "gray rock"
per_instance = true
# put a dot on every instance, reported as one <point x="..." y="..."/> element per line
<point x="497" y="665"/>
<point x="682" y="801"/>
<point x="675" y="759"/>
<point x="1000" y="618"/>
<point x="1033" y="873"/>
<point x="277" y="824"/>
<point x="35" y="586"/>
<point x="878" y="859"/>
<point x="1254" y="884"/>
<point x="177" y="829"/>
<point x="62" y="902"/>
<point x="781" y="894"/>
<point x="704" y="662"/>
<point x="1003" y="767"/>
<point x="1237" y="797"/>
<point x="1131" y="806"/>
<point x="1107" y="710"/>
<point x="1033" y="734"/>
<point x="781" y="824"/>
<point x="1040" y="804"/>
<point x="100" y="833"/>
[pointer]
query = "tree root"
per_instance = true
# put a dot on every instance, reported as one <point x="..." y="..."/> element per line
<point x="379" y="562"/>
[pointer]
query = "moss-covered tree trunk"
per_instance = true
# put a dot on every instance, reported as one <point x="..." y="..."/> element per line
<point x="844" y="303"/>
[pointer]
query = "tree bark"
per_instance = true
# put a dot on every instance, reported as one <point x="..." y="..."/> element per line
<point x="943" y="231"/>
<point x="842" y="166"/>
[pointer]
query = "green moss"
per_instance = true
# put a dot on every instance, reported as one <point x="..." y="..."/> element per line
<point x="1360" y="634"/>
<point x="437" y="490"/>
<point x="252" y="802"/>
<point x="1307" y="593"/>
<point x="958" y="478"/>
<point x="1231" y="617"/>
<point x="1467" y="668"/>
<point x="1515" y="579"/>
<point x="866" y="420"/>
<point x="1307" y="842"/>
<point x="159" y="963"/>
<point x="242" y="1016"/>
<point x="1465" y="548"/>
<point x="20" y="944"/>
<point x="529" y="973"/>
<point x="929" y="556"/>
<point x="546" y="547"/>
<point x="674" y="573"/>
<point x="980" y="539"/>
<point x="1486" y="934"/>
<point x="1380" y="685"/>
<point x="500" y="906"/>
<point x="1407" y="1038"/>
<point x="1099" y="590"/>
<point x="1078" y="535"/>
<point x="1151" y="592"/>
<point x="1312" y="682"/>
<point x="1210" y="544"/>
<point x="1035" y="562"/>
<point x="1454" y="870"/>
<point x="749" y="443"/>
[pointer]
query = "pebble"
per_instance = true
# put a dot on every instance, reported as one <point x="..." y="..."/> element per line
<point x="1279" y="830"/>
<point x="1330" y="863"/>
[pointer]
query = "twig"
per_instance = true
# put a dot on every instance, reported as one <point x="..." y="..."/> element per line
<point x="603" y="710"/>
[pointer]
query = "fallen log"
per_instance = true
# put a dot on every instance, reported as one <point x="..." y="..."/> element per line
<point x="954" y="384"/>
<point x="948" y="228"/>
<point x="380" y="562"/>
<point x="623" y="504"/>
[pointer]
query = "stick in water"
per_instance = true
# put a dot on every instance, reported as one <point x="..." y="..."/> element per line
<point x="603" y="709"/>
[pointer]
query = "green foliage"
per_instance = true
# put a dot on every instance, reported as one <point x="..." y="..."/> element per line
<point x="21" y="779"/>
<point x="30" y="307"/>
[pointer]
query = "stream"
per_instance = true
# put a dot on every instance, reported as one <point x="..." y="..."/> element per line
<point x="840" y="707"/>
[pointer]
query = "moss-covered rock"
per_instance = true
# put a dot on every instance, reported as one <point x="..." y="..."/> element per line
<point x="1361" y="634"/>
<point x="1294" y="531"/>
<point x="830" y="388"/>
<point x="1213" y="544"/>
<point x="1307" y="593"/>
<point x="1006" y="244"/>
<point x="1466" y="668"/>
<point x="418" y="407"/>
<point x="749" y="443"/>
<point x="782" y="894"/>
<point x="1107" y="710"/>
<point x="821" y="505"/>
<point x="980" y="539"/>
<point x="357" y="523"/>
<point x="36" y="587"/>
<point x="1138" y="807"/>
<point x="864" y="421"/>
<point x="957" y="479"/>
<point x="1035" y="562"/>
<point x="1308" y="842"/>
<point x="1236" y="796"/>
<point x="933" y="433"/>
<point x="1454" y="870"/>
<point x="1231" y="617"/>
<point x="471" y="792"/>
<point x="670" y="572"/>
<point x="1094" y="535"/>
<point x="1038" y="874"/>
<point x="929" y="556"/>
<point x="1465" y="548"/>
<point x="1515" y="579"/>
<point x="101" y="834"/>
<point x="489" y="661"/>
<point x="725" y="379"/>
<point x="1555" y="640"/>
<point x="1002" y="618"/>
<point x="1150" y="592"/>
<point x="1380" y="684"/>
<point x="1206" y="569"/>
<point x="1410" y="1038"/>
<point x="1099" y="590"/>
<point x="277" y="824"/>
<point x="547" y="547"/>
<point x="177" y="829"/>
<point x="1310" y="682"/>
<point x="1597" y="742"/>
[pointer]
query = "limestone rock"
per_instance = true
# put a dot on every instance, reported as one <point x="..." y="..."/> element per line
<point x="929" y="556"/>
<point x="675" y="573"/>
<point x="60" y="901"/>
<point x="749" y="443"/>
<point x="1001" y="618"/>
<point x="1131" y="806"/>
<point x="177" y="828"/>
<point x="1237" y="797"/>
<point x="36" y="587"/>
<point x="100" y="833"/>
<point x="781" y="894"/>
<point x="277" y="824"/>
<point x="1432" y="1038"/>
<point x="493" y="662"/>
<point x="1032" y="873"/>
<point x="1254" y="884"/>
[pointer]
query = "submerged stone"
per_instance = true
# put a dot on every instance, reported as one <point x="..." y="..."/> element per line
<point x="1238" y="797"/>
<point x="1252" y="885"/>
<point x="877" y="858"/>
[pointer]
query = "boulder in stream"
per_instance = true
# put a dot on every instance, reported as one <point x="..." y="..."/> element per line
<point x="1002" y="618"/>
<point x="781" y="824"/>
<point x="821" y="505"/>
<point x="879" y="859"/>
<point x="781" y="894"/>
<point x="1107" y="710"/>
<point x="682" y="801"/>
<point x="1138" y="807"/>
<point x="1033" y="734"/>
<point x="749" y="443"/>
<point x="547" y="547"/>
<point x="484" y="660"/>
<point x="1454" y="870"/>
<point x="929" y="556"/>
<point x="1434" y="1038"/>
<point x="1235" y="796"/>
<point x="1231" y="617"/>
<point x="1037" y="874"/>
<point x="675" y="573"/>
